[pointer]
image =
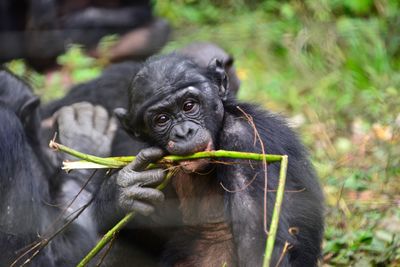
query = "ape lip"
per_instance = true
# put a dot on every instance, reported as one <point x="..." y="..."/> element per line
<point x="198" y="164"/>
<point x="201" y="148"/>
<point x="197" y="148"/>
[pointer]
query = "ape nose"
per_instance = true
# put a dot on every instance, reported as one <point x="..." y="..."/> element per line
<point x="182" y="132"/>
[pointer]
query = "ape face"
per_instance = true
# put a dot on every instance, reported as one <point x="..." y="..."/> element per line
<point x="185" y="122"/>
<point x="177" y="105"/>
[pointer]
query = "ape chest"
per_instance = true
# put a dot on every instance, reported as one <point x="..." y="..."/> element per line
<point x="200" y="197"/>
<point x="206" y="228"/>
<point x="211" y="245"/>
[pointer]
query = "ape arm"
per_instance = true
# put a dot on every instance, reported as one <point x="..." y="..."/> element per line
<point x="94" y="17"/>
<point x="246" y="187"/>
<point x="243" y="204"/>
<point x="89" y="129"/>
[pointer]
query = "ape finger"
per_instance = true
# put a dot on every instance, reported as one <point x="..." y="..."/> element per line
<point x="100" y="119"/>
<point x="147" y="194"/>
<point x="84" y="115"/>
<point x="65" y="118"/>
<point x="112" y="128"/>
<point x="127" y="177"/>
<point x="135" y="205"/>
<point x="145" y="157"/>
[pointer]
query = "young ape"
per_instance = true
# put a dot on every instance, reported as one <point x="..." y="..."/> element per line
<point x="143" y="239"/>
<point x="178" y="107"/>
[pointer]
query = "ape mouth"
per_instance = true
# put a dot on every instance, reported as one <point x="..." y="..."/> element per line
<point x="207" y="147"/>
<point x="201" y="141"/>
<point x="188" y="148"/>
<point x="198" y="165"/>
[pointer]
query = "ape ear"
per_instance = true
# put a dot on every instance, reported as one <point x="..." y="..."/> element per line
<point x="122" y="116"/>
<point x="217" y="68"/>
<point x="29" y="116"/>
<point x="28" y="107"/>
<point x="229" y="62"/>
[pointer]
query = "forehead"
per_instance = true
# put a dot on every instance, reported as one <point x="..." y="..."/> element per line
<point x="164" y="77"/>
<point x="175" y="98"/>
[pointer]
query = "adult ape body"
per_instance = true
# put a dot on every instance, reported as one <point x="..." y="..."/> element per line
<point x="40" y="30"/>
<point x="33" y="191"/>
<point x="183" y="108"/>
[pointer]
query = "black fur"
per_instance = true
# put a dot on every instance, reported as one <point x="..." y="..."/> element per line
<point x="302" y="209"/>
<point x="109" y="91"/>
<point x="39" y="30"/>
<point x="30" y="187"/>
<point x="162" y="78"/>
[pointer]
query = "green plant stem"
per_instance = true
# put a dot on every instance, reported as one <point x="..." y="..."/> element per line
<point x="113" y="231"/>
<point x="275" y="215"/>
<point x="119" y="162"/>
<point x="109" y="162"/>
<point x="105" y="239"/>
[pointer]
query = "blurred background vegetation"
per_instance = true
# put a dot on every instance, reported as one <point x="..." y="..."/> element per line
<point x="333" y="68"/>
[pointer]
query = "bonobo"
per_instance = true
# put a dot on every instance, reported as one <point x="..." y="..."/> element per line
<point x="40" y="30"/>
<point x="180" y="108"/>
<point x="34" y="194"/>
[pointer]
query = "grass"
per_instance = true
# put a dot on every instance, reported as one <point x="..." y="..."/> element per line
<point x="333" y="68"/>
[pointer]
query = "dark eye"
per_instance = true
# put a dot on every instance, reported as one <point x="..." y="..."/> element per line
<point x="161" y="119"/>
<point x="188" y="106"/>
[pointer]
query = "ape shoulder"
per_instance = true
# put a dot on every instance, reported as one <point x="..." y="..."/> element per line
<point x="245" y="125"/>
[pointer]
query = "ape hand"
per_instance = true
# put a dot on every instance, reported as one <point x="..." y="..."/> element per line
<point x="133" y="179"/>
<point x="86" y="128"/>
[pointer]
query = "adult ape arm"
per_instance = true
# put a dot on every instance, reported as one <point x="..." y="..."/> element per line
<point x="22" y="188"/>
<point x="109" y="90"/>
<point x="90" y="129"/>
<point x="121" y="17"/>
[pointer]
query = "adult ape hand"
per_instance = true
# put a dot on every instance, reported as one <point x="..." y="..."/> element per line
<point x="86" y="127"/>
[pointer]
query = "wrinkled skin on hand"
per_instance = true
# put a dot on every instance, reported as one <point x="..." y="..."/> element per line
<point x="91" y="130"/>
<point x="87" y="127"/>
<point x="134" y="180"/>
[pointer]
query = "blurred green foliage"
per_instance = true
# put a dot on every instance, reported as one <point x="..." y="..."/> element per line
<point x="335" y="65"/>
<point x="82" y="67"/>
<point x="332" y="67"/>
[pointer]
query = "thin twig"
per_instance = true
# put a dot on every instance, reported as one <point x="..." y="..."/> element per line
<point x="119" y="162"/>
<point x="113" y="231"/>
<point x="285" y="250"/>
<point x="264" y="162"/>
<point x="240" y="189"/>
<point x="275" y="215"/>
<point x="107" y="251"/>
<point x="44" y="241"/>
